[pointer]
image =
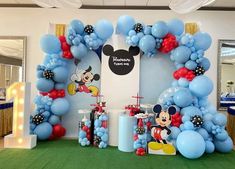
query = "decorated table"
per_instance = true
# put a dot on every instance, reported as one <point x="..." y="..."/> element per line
<point x="6" y="117"/>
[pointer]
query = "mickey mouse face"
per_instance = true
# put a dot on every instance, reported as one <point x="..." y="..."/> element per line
<point x="121" y="62"/>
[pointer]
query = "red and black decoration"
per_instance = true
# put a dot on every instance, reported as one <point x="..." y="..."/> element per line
<point x="199" y="71"/>
<point x="97" y="140"/>
<point x="38" y="119"/>
<point x="138" y="27"/>
<point x="65" y="48"/>
<point x="168" y="44"/>
<point x="184" y="73"/>
<point x="89" y="29"/>
<point x="48" y="74"/>
<point x="197" y="121"/>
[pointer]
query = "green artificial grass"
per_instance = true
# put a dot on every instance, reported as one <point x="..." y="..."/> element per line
<point x="67" y="154"/>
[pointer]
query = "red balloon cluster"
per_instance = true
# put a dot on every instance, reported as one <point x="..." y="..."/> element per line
<point x="66" y="48"/>
<point x="88" y="132"/>
<point x="169" y="43"/>
<point x="140" y="151"/>
<point x="57" y="132"/>
<point x="184" y="73"/>
<point x="149" y="124"/>
<point x="176" y="119"/>
<point x="54" y="94"/>
<point x="135" y="137"/>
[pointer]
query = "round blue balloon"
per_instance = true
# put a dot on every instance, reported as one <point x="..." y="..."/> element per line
<point x="79" y="51"/>
<point x="104" y="29"/>
<point x="202" y="40"/>
<point x="147" y="44"/>
<point x="191" y="111"/>
<point x="183" y="97"/>
<point x="175" y="131"/>
<point x="208" y="126"/>
<point x="181" y="54"/>
<point x="223" y="135"/>
<point x="210" y="147"/>
<point x="176" y="26"/>
<point x="191" y="65"/>
<point x="60" y="74"/>
<point x="190" y="144"/>
<point x="44" y="85"/>
<point x="59" y="86"/>
<point x="201" y="86"/>
<point x="205" y="63"/>
<point x="60" y="106"/>
<point x="43" y="131"/>
<point x="219" y="119"/>
<point x="124" y="24"/>
<point x="77" y="26"/>
<point x="224" y="146"/>
<point x="203" y="133"/>
<point x="50" y="44"/>
<point x="182" y="82"/>
<point x="159" y="29"/>
<point x="54" y="119"/>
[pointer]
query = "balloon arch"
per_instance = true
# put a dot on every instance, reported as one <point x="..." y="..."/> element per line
<point x="198" y="124"/>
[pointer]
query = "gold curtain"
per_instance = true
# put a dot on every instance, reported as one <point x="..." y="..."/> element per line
<point x="191" y="28"/>
<point x="60" y="29"/>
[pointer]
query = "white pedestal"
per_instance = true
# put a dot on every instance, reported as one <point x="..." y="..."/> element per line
<point x="27" y="142"/>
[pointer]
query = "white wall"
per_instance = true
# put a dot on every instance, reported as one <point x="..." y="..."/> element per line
<point x="33" y="23"/>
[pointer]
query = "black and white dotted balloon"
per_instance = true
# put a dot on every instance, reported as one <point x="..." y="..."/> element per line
<point x="199" y="71"/>
<point x="140" y="130"/>
<point x="97" y="140"/>
<point x="38" y="119"/>
<point x="89" y="29"/>
<point x="48" y="74"/>
<point x="138" y="27"/>
<point x="197" y="121"/>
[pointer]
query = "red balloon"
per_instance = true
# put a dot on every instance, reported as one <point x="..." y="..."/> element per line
<point x="135" y="137"/>
<point x="104" y="124"/>
<point x="169" y="43"/>
<point x="58" y="130"/>
<point x="85" y="128"/>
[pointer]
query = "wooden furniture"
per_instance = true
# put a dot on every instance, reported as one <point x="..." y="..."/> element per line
<point x="231" y="123"/>
<point x="6" y="118"/>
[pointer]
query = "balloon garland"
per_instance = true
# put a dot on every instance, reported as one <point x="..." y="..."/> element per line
<point x="198" y="128"/>
<point x="52" y="75"/>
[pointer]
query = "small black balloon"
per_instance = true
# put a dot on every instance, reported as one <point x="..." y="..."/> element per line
<point x="48" y="74"/>
<point x="89" y="29"/>
<point x="197" y="121"/>
<point x="138" y="27"/>
<point x="38" y="119"/>
<point x="199" y="71"/>
<point x="97" y="140"/>
<point x="140" y="130"/>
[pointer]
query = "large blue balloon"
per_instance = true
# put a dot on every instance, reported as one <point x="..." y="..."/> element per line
<point x="50" y="44"/>
<point x="124" y="24"/>
<point x="54" y="119"/>
<point x="219" y="119"/>
<point x="77" y="26"/>
<point x="44" y="85"/>
<point x="79" y="51"/>
<point x="60" y="74"/>
<point x="159" y="29"/>
<point x="224" y="146"/>
<point x="147" y="43"/>
<point x="183" y="97"/>
<point x="181" y="54"/>
<point x="191" y="111"/>
<point x="202" y="40"/>
<point x="43" y="131"/>
<point x="191" y="65"/>
<point x="201" y="86"/>
<point x="205" y="63"/>
<point x="190" y="144"/>
<point x="60" y="106"/>
<point x="176" y="26"/>
<point x="104" y="29"/>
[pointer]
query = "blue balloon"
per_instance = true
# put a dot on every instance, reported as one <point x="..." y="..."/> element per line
<point x="60" y="106"/>
<point x="183" y="97"/>
<point x="219" y="119"/>
<point x="104" y="29"/>
<point x="203" y="133"/>
<point x="124" y="24"/>
<point x="77" y="26"/>
<point x="191" y="65"/>
<point x="60" y="74"/>
<point x="208" y="126"/>
<point x="175" y="131"/>
<point x="176" y="27"/>
<point x="147" y="44"/>
<point x="79" y="51"/>
<point x="44" y="85"/>
<point x="190" y="144"/>
<point x="223" y="135"/>
<point x="50" y="44"/>
<point x="59" y="86"/>
<point x="224" y="146"/>
<point x="191" y="111"/>
<point x="188" y="125"/>
<point x="182" y="82"/>
<point x="43" y="131"/>
<point x="181" y="54"/>
<point x="205" y="63"/>
<point x="202" y="40"/>
<point x="54" y="119"/>
<point x="210" y="147"/>
<point x="159" y="29"/>
<point x="201" y="86"/>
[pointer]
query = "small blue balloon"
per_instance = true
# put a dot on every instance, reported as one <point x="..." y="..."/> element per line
<point x="124" y="24"/>
<point x="208" y="126"/>
<point x="44" y="85"/>
<point x="60" y="74"/>
<point x="224" y="146"/>
<point x="176" y="27"/>
<point x="202" y="40"/>
<point x="191" y="65"/>
<point x="60" y="106"/>
<point x="43" y="131"/>
<point x="77" y="26"/>
<point x="59" y="86"/>
<point x="201" y="86"/>
<point x="183" y="97"/>
<point x="147" y="44"/>
<point x="191" y="111"/>
<point x="181" y="54"/>
<point x="188" y="125"/>
<point x="104" y="29"/>
<point x="210" y="147"/>
<point x="219" y="119"/>
<point x="182" y="82"/>
<point x="221" y="136"/>
<point x="50" y="44"/>
<point x="205" y="63"/>
<point x="159" y="29"/>
<point x="203" y="133"/>
<point x="54" y="119"/>
<point x="175" y="131"/>
<point x="79" y="51"/>
<point x="190" y="144"/>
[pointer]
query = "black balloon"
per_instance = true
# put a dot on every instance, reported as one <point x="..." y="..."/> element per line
<point x="48" y="74"/>
<point x="140" y="130"/>
<point x="97" y="140"/>
<point x="199" y="71"/>
<point x="89" y="29"/>
<point x="138" y="27"/>
<point x="197" y="121"/>
<point x="38" y="119"/>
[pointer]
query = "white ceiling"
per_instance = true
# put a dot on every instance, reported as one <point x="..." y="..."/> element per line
<point x="218" y="3"/>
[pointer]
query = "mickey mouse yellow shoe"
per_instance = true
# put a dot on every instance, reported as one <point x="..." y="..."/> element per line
<point x="155" y="146"/>
<point x="168" y="149"/>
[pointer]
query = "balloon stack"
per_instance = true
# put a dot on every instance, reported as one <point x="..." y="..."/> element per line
<point x="134" y="109"/>
<point x="84" y="136"/>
